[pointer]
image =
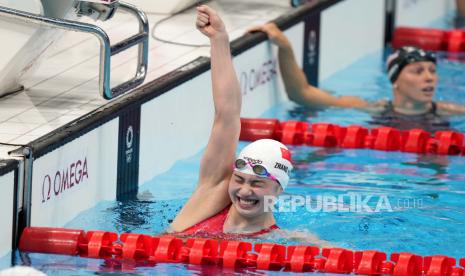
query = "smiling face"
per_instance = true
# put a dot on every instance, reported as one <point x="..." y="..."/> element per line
<point x="247" y="193"/>
<point x="417" y="82"/>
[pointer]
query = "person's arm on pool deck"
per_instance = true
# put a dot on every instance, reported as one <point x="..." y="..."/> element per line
<point x="211" y="195"/>
<point x="295" y="81"/>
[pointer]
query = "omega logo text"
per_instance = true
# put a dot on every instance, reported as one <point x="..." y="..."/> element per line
<point x="53" y="185"/>
<point x="256" y="77"/>
<point x="129" y="141"/>
<point x="311" y="53"/>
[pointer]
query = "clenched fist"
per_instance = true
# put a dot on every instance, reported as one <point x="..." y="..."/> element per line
<point x="209" y="23"/>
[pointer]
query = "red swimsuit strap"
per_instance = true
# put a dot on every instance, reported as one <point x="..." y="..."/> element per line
<point x="213" y="226"/>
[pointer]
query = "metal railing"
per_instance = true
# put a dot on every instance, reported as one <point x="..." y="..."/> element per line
<point x="106" y="49"/>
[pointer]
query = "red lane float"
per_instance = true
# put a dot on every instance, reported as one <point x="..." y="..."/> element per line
<point x="438" y="265"/>
<point x="370" y="262"/>
<point x="292" y="132"/>
<point x="100" y="244"/>
<point x="338" y="260"/>
<point x="260" y="129"/>
<point x="202" y="251"/>
<point x="234" y="253"/>
<point x="331" y="135"/>
<point x="301" y="258"/>
<point x="355" y="137"/>
<point x="231" y="254"/>
<point x="407" y="264"/>
<point x="53" y="240"/>
<point x="416" y="141"/>
<point x="430" y="39"/>
<point x="136" y="246"/>
<point x="168" y="249"/>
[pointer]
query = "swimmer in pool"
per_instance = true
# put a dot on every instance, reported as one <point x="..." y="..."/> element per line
<point x="411" y="71"/>
<point x="230" y="195"/>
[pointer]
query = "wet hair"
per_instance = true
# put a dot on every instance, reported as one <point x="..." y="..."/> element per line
<point x="405" y="56"/>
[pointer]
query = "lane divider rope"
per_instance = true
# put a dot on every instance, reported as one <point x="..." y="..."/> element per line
<point x="353" y="136"/>
<point x="149" y="250"/>
<point x="452" y="41"/>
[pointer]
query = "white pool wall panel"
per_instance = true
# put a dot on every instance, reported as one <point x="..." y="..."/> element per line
<point x="174" y="126"/>
<point x="75" y="176"/>
<point x="7" y="184"/>
<point x="349" y="30"/>
<point x="420" y="13"/>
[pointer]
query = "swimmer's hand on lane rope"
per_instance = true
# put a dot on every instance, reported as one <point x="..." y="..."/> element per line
<point x="209" y="23"/>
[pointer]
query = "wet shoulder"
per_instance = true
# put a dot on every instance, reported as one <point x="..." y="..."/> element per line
<point x="298" y="236"/>
<point x="378" y="107"/>
<point x="449" y="109"/>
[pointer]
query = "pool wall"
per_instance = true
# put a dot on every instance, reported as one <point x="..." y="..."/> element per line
<point x="420" y="13"/>
<point x="108" y="153"/>
<point x="361" y="33"/>
<point x="75" y="176"/>
<point x="8" y="196"/>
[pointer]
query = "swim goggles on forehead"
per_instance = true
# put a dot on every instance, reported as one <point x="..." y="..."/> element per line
<point x="416" y="55"/>
<point x="257" y="169"/>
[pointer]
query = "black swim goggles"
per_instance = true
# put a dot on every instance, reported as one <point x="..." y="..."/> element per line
<point x="405" y="56"/>
<point x="257" y="169"/>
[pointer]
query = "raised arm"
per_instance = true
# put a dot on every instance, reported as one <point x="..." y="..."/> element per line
<point x="295" y="81"/>
<point x="211" y="194"/>
<point x="219" y="155"/>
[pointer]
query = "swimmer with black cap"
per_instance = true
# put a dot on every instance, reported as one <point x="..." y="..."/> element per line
<point x="231" y="191"/>
<point x="411" y="70"/>
<point x="404" y="56"/>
